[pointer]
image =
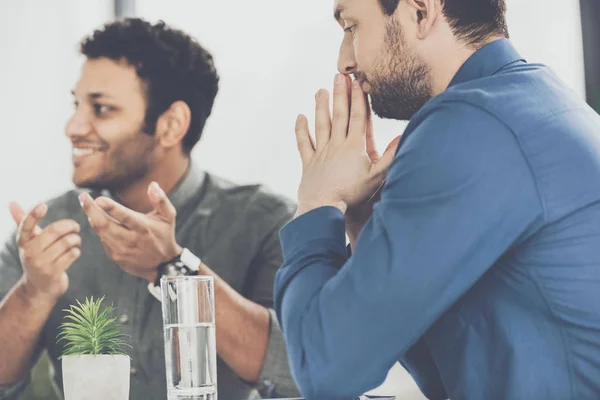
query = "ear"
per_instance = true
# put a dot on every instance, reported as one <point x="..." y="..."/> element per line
<point x="424" y="14"/>
<point x="173" y="124"/>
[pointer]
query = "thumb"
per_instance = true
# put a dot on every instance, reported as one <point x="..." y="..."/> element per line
<point x="160" y="202"/>
<point x="388" y="157"/>
<point x="393" y="146"/>
<point x="16" y="212"/>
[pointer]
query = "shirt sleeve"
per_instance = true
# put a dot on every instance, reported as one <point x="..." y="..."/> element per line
<point x="10" y="273"/>
<point x="446" y="215"/>
<point x="14" y="390"/>
<point x="275" y="378"/>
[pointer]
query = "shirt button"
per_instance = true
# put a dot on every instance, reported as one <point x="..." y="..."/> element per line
<point x="133" y="371"/>
<point x="124" y="319"/>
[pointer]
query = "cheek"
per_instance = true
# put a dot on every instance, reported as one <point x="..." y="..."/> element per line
<point x="365" y="53"/>
<point x="137" y="148"/>
<point x="109" y="129"/>
<point x="115" y="130"/>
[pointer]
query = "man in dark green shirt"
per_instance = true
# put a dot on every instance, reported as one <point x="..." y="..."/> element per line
<point x="143" y="97"/>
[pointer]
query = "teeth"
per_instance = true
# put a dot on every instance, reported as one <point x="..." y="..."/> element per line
<point x="82" y="152"/>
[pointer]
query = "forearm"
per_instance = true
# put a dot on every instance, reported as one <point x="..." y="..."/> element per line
<point x="242" y="329"/>
<point x="322" y="300"/>
<point x="22" y="317"/>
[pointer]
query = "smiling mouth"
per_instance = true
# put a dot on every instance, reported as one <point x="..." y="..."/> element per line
<point x="80" y="153"/>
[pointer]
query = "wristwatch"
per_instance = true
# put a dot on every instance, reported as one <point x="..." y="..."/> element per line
<point x="185" y="264"/>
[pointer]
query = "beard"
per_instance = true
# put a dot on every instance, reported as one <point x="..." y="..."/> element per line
<point x="401" y="82"/>
<point x="121" y="175"/>
<point x="128" y="162"/>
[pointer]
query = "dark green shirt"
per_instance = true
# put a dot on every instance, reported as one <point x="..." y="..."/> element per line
<point x="234" y="229"/>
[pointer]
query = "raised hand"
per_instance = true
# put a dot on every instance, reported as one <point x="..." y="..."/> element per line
<point x="137" y="242"/>
<point x="45" y="254"/>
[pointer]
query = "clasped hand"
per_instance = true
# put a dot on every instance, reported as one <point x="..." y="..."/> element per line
<point x="342" y="167"/>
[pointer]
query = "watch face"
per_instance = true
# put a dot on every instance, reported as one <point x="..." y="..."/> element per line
<point x="176" y="269"/>
<point x="172" y="270"/>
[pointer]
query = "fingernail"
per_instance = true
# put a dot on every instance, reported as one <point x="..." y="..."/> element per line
<point x="157" y="189"/>
<point x="82" y="199"/>
<point x="42" y="208"/>
<point x="339" y="79"/>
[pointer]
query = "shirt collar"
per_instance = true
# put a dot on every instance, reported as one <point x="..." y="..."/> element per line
<point x="188" y="187"/>
<point x="487" y="61"/>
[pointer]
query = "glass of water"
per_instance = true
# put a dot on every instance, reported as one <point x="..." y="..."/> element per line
<point x="188" y="309"/>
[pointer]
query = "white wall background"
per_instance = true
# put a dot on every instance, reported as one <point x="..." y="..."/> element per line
<point x="39" y="66"/>
<point x="272" y="58"/>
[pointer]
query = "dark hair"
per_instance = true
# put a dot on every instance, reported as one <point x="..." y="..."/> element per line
<point x="171" y="64"/>
<point x="472" y="21"/>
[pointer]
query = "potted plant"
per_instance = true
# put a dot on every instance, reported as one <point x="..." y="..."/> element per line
<point x="93" y="362"/>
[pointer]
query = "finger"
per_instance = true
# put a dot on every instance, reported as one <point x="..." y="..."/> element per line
<point x="53" y="233"/>
<point x="27" y="229"/>
<point x="99" y="220"/>
<point x="387" y="158"/>
<point x="121" y="214"/>
<point x="18" y="214"/>
<point x="322" y="119"/>
<point x="357" y="128"/>
<point x="61" y="246"/>
<point x="393" y="146"/>
<point x="370" y="138"/>
<point x="161" y="203"/>
<point x="306" y="147"/>
<point x="339" y="124"/>
<point x="348" y="80"/>
<point x="64" y="261"/>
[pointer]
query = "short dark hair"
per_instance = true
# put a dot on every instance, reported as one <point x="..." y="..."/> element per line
<point x="170" y="63"/>
<point x="472" y="21"/>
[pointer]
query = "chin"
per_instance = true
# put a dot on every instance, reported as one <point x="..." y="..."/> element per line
<point x="88" y="182"/>
<point x="84" y="184"/>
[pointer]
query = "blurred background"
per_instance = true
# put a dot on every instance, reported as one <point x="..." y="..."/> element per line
<point x="272" y="57"/>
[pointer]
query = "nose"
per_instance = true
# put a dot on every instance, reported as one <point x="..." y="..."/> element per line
<point x="346" y="59"/>
<point x="78" y="125"/>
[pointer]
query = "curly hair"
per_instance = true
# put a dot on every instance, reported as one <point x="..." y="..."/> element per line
<point x="473" y="21"/>
<point x="171" y="64"/>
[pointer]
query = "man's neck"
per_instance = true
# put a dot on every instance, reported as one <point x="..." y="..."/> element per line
<point x="167" y="176"/>
<point x="449" y="62"/>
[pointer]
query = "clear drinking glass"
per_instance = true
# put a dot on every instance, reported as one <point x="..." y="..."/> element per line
<point x="188" y="309"/>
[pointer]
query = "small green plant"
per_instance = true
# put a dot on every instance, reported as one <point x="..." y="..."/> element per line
<point x="91" y="331"/>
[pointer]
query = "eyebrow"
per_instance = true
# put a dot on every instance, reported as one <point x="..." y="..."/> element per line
<point x="94" y="95"/>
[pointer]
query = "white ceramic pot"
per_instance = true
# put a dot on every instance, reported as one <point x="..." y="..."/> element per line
<point x="101" y="377"/>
